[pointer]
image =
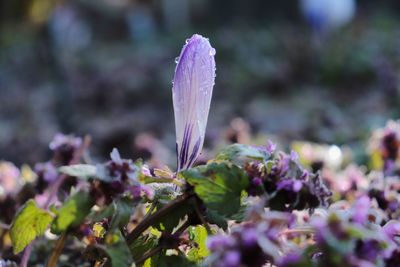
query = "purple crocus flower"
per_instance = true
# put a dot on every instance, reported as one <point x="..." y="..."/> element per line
<point x="192" y="90"/>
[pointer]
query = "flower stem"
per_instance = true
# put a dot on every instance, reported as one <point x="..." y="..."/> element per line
<point x="151" y="219"/>
<point x="26" y="256"/>
<point x="149" y="254"/>
<point x="57" y="251"/>
<point x="159" y="247"/>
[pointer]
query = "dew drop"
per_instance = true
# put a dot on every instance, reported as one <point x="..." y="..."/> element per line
<point x="177" y="60"/>
<point x="212" y="52"/>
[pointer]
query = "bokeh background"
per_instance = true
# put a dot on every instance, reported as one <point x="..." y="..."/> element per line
<point x="104" y="68"/>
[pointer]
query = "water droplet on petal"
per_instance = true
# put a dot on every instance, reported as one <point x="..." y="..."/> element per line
<point x="212" y="52"/>
<point x="177" y="60"/>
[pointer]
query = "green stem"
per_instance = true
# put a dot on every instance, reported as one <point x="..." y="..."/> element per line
<point x="57" y="251"/>
<point x="201" y="217"/>
<point x="159" y="248"/>
<point x="151" y="219"/>
<point x="149" y="254"/>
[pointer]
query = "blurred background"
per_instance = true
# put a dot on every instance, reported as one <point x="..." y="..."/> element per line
<point x="325" y="71"/>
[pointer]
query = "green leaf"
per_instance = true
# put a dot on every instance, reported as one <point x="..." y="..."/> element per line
<point x="29" y="223"/>
<point x="214" y="218"/>
<point x="119" y="212"/>
<point x="219" y="186"/>
<point x="116" y="254"/>
<point x="161" y="260"/>
<point x="123" y="209"/>
<point x="198" y="234"/>
<point x="239" y="154"/>
<point x="119" y="253"/>
<point x="73" y="212"/>
<point x="168" y="223"/>
<point x="105" y="212"/>
<point x="83" y="171"/>
<point x="143" y="244"/>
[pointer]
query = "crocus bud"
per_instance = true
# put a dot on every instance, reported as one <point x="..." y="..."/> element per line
<point x="191" y="93"/>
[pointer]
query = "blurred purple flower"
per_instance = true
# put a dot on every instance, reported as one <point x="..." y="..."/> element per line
<point x="231" y="259"/>
<point x="192" y="90"/>
<point x="361" y="209"/>
<point x="61" y="140"/>
<point x="10" y="180"/>
<point x="290" y="184"/>
<point x="392" y="229"/>
<point x="271" y="147"/>
<point x="47" y="171"/>
<point x="294" y="156"/>
<point x="291" y="259"/>
<point x="141" y="191"/>
<point x="219" y="241"/>
<point x="64" y="147"/>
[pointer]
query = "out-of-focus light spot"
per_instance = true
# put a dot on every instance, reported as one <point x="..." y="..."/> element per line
<point x="27" y="174"/>
<point x="334" y="156"/>
<point x="325" y="15"/>
<point x="40" y="10"/>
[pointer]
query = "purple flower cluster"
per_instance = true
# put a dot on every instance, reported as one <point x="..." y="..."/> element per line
<point x="249" y="245"/>
<point x="349" y="238"/>
<point x="286" y="184"/>
<point x="386" y="143"/>
<point x="386" y="192"/>
<point x="347" y="234"/>
<point x="64" y="148"/>
<point x="118" y="177"/>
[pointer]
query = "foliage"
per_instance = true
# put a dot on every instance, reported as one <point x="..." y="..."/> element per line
<point x="247" y="207"/>
<point x="30" y="222"/>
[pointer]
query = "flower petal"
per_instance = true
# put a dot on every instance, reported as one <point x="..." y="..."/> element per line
<point x="192" y="90"/>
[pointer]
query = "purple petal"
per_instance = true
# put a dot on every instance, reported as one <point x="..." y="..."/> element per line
<point x="192" y="90"/>
<point x="361" y="209"/>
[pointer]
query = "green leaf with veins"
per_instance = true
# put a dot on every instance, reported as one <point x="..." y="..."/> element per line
<point x="219" y="186"/>
<point x="29" y="223"/>
<point x="73" y="212"/>
<point x="171" y="221"/>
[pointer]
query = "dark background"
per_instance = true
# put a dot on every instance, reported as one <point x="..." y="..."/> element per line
<point x="104" y="68"/>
